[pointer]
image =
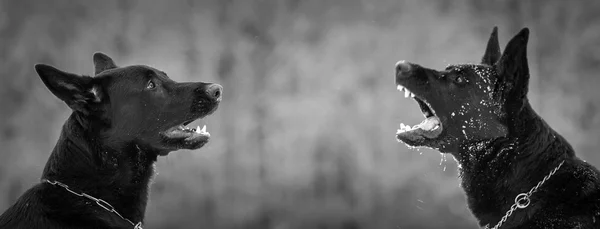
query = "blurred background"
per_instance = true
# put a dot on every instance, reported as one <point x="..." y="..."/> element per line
<point x="305" y="136"/>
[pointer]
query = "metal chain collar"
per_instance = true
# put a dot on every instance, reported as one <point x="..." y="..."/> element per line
<point x="522" y="200"/>
<point x="99" y="202"/>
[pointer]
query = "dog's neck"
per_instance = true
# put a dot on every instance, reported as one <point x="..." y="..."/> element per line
<point x="118" y="176"/>
<point x="489" y="185"/>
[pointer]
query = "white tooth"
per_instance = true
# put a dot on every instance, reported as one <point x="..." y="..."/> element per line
<point x="406" y="93"/>
<point x="405" y="127"/>
<point x="400" y="88"/>
<point x="402" y="126"/>
<point x="436" y="126"/>
<point x="412" y="95"/>
<point x="198" y="129"/>
<point x="204" y="129"/>
<point x="401" y="130"/>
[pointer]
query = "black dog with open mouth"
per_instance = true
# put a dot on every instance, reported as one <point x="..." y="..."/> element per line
<point x="123" y="119"/>
<point x="516" y="171"/>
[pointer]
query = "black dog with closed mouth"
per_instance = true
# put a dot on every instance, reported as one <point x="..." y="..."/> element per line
<point x="123" y="119"/>
<point x="480" y="114"/>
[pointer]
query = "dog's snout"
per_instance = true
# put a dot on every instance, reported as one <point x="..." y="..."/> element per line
<point x="215" y="91"/>
<point x="402" y="67"/>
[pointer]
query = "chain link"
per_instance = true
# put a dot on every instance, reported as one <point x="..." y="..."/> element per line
<point x="522" y="200"/>
<point x="99" y="202"/>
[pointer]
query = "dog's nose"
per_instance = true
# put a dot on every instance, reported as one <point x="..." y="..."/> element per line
<point x="402" y="67"/>
<point x="215" y="91"/>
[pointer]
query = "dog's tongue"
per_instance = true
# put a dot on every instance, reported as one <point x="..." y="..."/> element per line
<point x="429" y="123"/>
<point x="429" y="128"/>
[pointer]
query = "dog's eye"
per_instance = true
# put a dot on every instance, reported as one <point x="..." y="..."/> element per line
<point x="460" y="80"/>
<point x="150" y="85"/>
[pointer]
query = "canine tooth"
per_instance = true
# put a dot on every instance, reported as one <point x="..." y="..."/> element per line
<point x="412" y="95"/>
<point x="203" y="129"/>
<point x="406" y="93"/>
<point x="198" y="129"/>
<point x="400" y="88"/>
<point x="435" y="127"/>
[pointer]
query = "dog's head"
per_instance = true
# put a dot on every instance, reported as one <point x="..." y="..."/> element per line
<point x="135" y="104"/>
<point x="466" y="102"/>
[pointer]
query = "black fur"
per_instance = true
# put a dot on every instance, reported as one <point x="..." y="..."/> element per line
<point x="502" y="146"/>
<point x="109" y="144"/>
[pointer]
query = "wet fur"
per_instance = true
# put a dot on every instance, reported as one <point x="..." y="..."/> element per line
<point x="507" y="166"/>
<point x="513" y="149"/>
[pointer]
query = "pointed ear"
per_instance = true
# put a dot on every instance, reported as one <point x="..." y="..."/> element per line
<point x="492" y="51"/>
<point x="512" y="67"/>
<point x="78" y="92"/>
<point x="102" y="62"/>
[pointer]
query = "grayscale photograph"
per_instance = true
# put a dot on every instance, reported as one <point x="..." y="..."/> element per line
<point x="299" y="114"/>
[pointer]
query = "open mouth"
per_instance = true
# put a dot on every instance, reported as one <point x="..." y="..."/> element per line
<point x="187" y="137"/>
<point x="429" y="128"/>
